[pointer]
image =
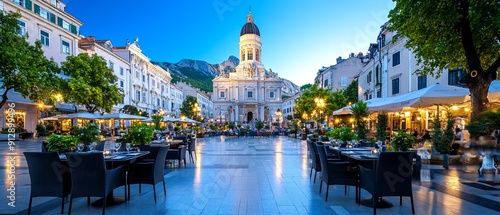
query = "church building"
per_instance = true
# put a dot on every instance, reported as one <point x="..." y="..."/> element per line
<point x="250" y="93"/>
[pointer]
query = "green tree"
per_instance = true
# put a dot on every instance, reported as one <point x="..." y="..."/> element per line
<point x="360" y="112"/>
<point x="351" y="92"/>
<point x="129" y="109"/>
<point x="24" y="67"/>
<point x="187" y="107"/>
<point x="305" y="86"/>
<point x="442" y="137"/>
<point x="156" y="121"/>
<point x="453" y="34"/>
<point x="306" y="107"/>
<point x="91" y="84"/>
<point x="382" y="120"/>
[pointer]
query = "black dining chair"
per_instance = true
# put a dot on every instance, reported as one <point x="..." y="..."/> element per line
<point x="392" y="177"/>
<point x="89" y="177"/>
<point x="149" y="172"/>
<point x="316" y="165"/>
<point x="192" y="149"/>
<point x="100" y="146"/>
<point x="44" y="146"/>
<point x="49" y="177"/>
<point x="336" y="172"/>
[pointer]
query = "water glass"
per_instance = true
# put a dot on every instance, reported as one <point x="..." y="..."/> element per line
<point x="127" y="146"/>
<point x="80" y="147"/>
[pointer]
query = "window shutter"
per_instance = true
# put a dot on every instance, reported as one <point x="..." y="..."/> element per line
<point x="37" y="9"/>
<point x="73" y="29"/>
<point x="52" y="17"/>
<point x="59" y="21"/>
<point x="28" y="4"/>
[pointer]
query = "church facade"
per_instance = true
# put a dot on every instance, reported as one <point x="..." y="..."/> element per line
<point x="249" y="93"/>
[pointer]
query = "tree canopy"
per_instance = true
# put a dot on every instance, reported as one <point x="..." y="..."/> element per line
<point x="351" y="92"/>
<point x="307" y="108"/>
<point x="450" y="34"/>
<point x="187" y="108"/>
<point x="24" y="67"/>
<point x="91" y="84"/>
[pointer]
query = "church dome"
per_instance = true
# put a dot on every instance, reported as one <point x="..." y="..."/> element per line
<point x="250" y="27"/>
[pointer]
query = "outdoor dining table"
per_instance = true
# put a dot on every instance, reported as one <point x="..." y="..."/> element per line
<point x="110" y="159"/>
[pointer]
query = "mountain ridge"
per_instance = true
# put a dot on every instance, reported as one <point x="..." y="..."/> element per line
<point x="200" y="73"/>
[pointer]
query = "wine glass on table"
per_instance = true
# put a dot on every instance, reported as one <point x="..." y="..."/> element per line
<point x="127" y="147"/>
<point x="117" y="146"/>
<point x="80" y="147"/>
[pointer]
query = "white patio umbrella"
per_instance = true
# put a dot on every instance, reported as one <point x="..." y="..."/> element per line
<point x="82" y="115"/>
<point x="343" y="111"/>
<point x="123" y="116"/>
<point x="51" y="118"/>
<point x="170" y="119"/>
<point x="437" y="94"/>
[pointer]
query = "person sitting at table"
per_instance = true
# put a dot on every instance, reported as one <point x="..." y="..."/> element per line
<point x="425" y="136"/>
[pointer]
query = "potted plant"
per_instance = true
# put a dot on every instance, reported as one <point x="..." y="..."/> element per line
<point x="61" y="143"/>
<point x="382" y="125"/>
<point x="342" y="133"/>
<point x="41" y="129"/>
<point x="360" y="112"/>
<point x="87" y="134"/>
<point x="259" y="125"/>
<point x="402" y="141"/>
<point x="140" y="134"/>
<point x="442" y="138"/>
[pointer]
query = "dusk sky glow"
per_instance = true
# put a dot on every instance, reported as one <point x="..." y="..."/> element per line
<point x="298" y="37"/>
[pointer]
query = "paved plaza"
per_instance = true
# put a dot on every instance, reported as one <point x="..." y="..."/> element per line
<point x="260" y="176"/>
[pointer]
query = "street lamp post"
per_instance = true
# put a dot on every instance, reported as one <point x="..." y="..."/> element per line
<point x="320" y="105"/>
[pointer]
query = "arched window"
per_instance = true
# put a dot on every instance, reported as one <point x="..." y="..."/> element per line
<point x="242" y="54"/>
<point x="250" y="53"/>
<point x="257" y="54"/>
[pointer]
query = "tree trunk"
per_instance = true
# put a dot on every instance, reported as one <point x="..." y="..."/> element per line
<point x="4" y="97"/>
<point x="478" y="87"/>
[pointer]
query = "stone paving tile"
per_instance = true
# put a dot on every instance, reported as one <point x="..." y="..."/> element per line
<point x="260" y="176"/>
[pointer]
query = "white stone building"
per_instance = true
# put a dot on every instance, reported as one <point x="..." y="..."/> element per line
<point x="176" y="100"/>
<point x="391" y="70"/>
<point x="119" y="65"/>
<point x="339" y="76"/>
<point x="287" y="107"/>
<point x="150" y="84"/>
<point x="249" y="93"/>
<point x="43" y="20"/>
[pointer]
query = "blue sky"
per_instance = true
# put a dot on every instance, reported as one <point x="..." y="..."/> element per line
<point x="298" y="36"/>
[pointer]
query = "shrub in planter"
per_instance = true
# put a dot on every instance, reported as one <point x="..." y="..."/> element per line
<point x="343" y="133"/>
<point x="139" y="134"/>
<point x="61" y="143"/>
<point x="87" y="134"/>
<point x="41" y="129"/>
<point x="402" y="141"/>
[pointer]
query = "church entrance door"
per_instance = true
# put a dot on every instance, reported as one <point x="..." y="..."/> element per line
<point x="249" y="117"/>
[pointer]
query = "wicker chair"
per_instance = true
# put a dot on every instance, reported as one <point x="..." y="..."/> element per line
<point x="178" y="154"/>
<point x="149" y="172"/>
<point x="392" y="177"/>
<point x="49" y="177"/>
<point x="89" y="177"/>
<point x="192" y="149"/>
<point x="336" y="172"/>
